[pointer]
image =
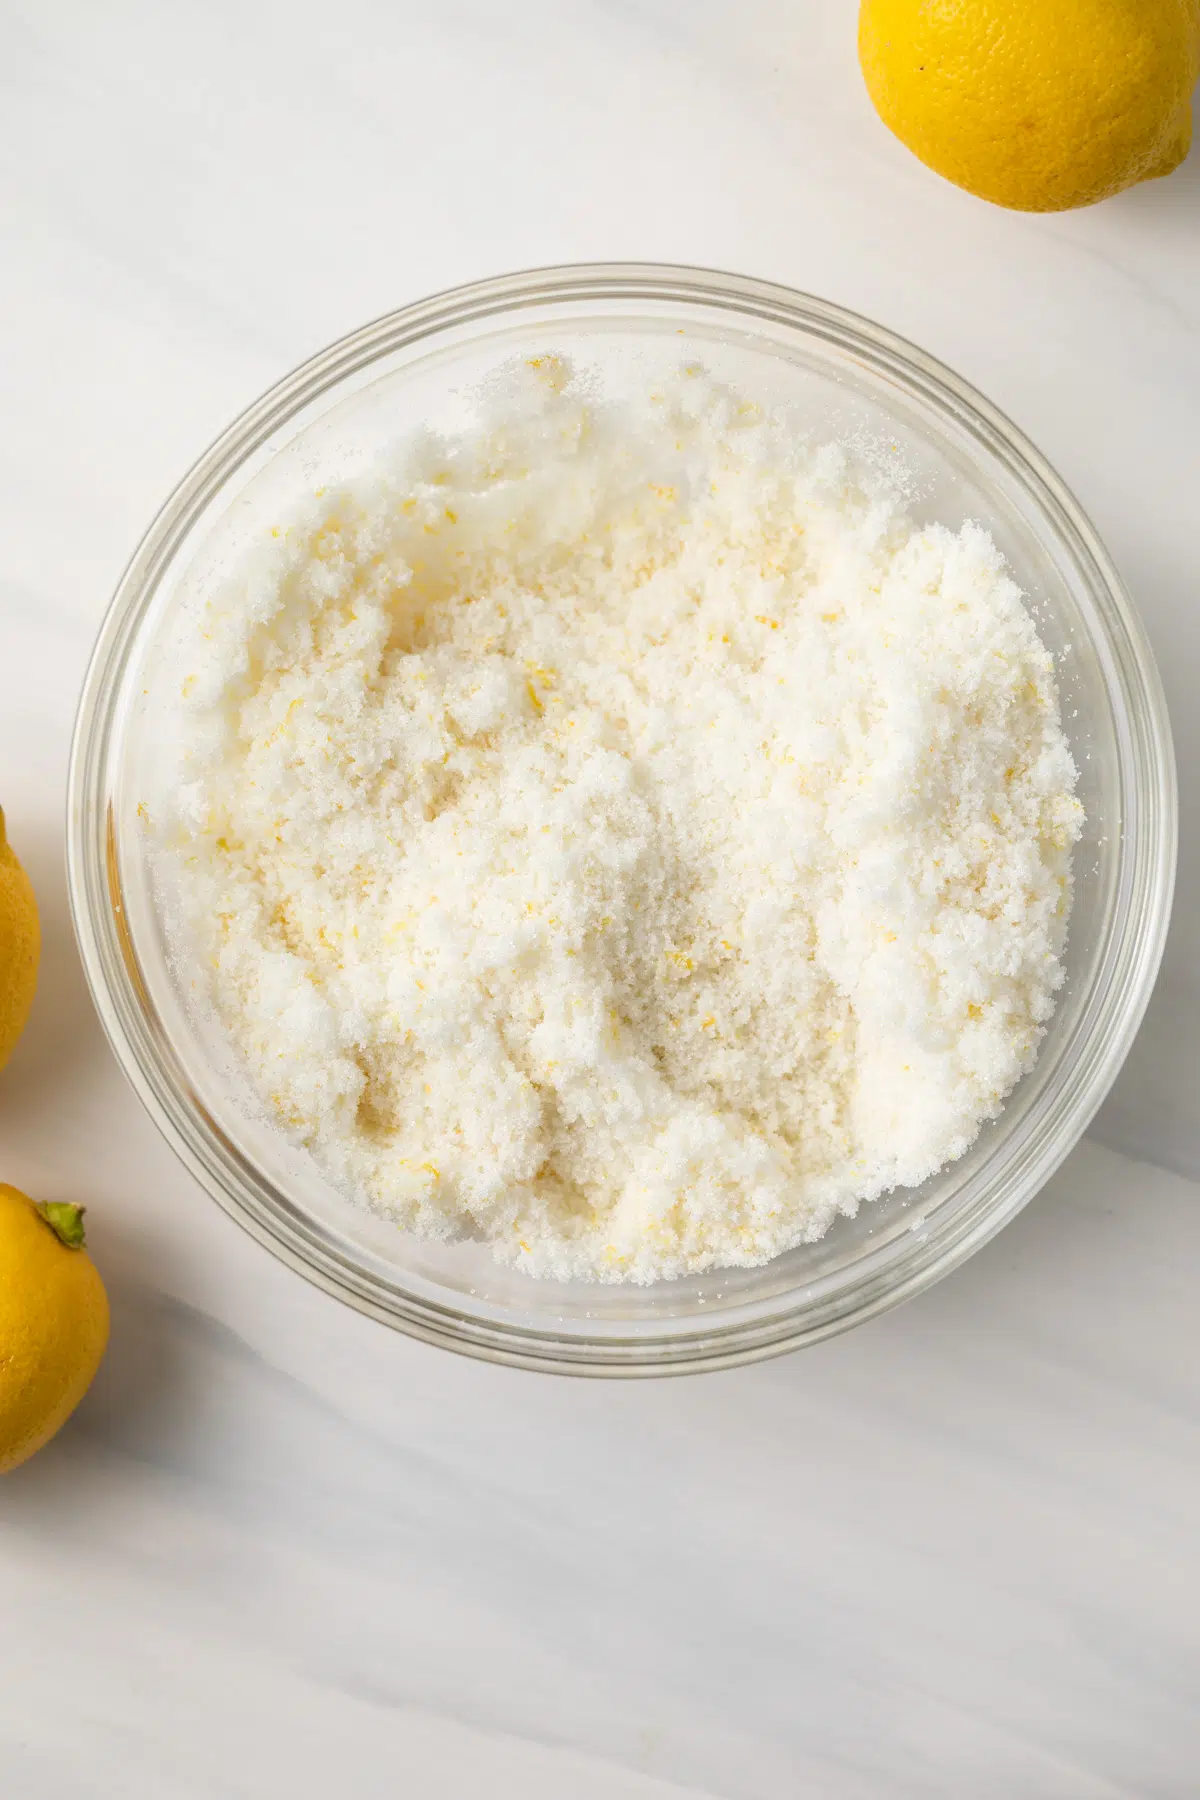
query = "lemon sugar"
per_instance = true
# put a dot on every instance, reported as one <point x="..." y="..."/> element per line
<point x="621" y="834"/>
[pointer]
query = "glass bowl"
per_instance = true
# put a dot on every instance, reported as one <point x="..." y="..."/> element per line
<point x="842" y="375"/>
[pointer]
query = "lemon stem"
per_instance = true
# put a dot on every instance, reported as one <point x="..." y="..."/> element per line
<point x="65" y="1221"/>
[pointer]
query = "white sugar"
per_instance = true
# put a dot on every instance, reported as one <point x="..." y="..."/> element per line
<point x="621" y="835"/>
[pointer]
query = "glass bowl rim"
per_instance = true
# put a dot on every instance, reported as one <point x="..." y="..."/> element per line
<point x="110" y="958"/>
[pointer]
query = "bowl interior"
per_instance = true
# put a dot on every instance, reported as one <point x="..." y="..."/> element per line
<point x="833" y="386"/>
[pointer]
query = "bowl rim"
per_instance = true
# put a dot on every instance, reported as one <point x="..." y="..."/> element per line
<point x="1145" y="869"/>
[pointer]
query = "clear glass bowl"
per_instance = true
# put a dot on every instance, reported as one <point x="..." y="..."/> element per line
<point x="845" y="376"/>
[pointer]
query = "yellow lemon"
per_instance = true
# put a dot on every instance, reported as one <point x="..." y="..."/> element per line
<point x="1036" y="104"/>
<point x="20" y="946"/>
<point x="53" y="1321"/>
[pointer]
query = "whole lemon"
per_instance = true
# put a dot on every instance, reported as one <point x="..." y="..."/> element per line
<point x="1035" y="104"/>
<point x="20" y="947"/>
<point x="53" y="1321"/>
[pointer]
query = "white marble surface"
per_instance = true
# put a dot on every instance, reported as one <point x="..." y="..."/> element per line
<point x="284" y="1552"/>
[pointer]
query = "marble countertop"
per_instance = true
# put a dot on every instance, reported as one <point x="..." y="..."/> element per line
<point x="282" y="1551"/>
